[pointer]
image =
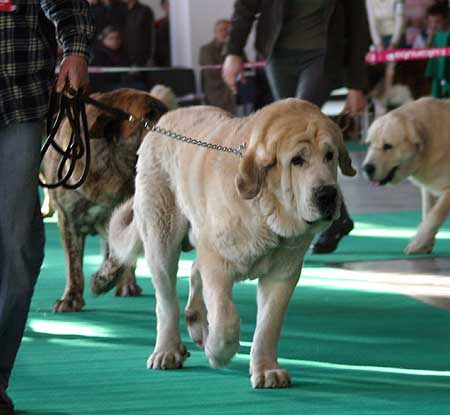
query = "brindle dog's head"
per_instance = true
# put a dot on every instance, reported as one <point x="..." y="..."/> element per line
<point x="110" y="127"/>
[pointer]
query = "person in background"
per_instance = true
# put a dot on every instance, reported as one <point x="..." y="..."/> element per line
<point x="116" y="12"/>
<point x="24" y="89"/>
<point x="436" y="21"/>
<point x="98" y="12"/>
<point x="139" y="33"/>
<point x="162" y="36"/>
<point x="108" y="52"/>
<point x="216" y="91"/>
<point x="387" y="23"/>
<point x="311" y="48"/>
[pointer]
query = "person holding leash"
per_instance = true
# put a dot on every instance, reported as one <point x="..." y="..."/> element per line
<point x="26" y="71"/>
<point x="311" y="48"/>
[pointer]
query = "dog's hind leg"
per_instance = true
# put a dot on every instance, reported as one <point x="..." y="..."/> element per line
<point x="162" y="228"/>
<point x="195" y="312"/>
<point x="73" y="244"/>
<point x="127" y="285"/>
<point x="114" y="274"/>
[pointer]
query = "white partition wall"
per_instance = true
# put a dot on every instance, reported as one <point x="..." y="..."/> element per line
<point x="192" y="23"/>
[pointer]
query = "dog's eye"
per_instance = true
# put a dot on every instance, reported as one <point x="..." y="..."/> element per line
<point x="329" y="156"/>
<point x="387" y="147"/>
<point x="298" y="161"/>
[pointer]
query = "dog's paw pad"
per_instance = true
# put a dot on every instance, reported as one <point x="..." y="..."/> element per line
<point x="272" y="378"/>
<point x="128" y="290"/>
<point x="168" y="359"/>
<point x="68" y="305"/>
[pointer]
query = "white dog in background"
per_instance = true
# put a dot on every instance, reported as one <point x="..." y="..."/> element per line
<point x="248" y="218"/>
<point x="413" y="142"/>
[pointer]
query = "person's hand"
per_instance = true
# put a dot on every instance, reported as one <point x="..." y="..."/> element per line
<point x="379" y="47"/>
<point x="232" y="67"/>
<point x="73" y="71"/>
<point x="355" y="103"/>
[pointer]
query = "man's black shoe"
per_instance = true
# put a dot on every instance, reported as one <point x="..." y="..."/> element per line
<point x="6" y="405"/>
<point x="329" y="240"/>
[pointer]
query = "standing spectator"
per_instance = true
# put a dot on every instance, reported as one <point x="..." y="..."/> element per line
<point x="139" y="33"/>
<point x="24" y="89"/>
<point x="162" y="37"/>
<point x="216" y="90"/>
<point x="116" y="15"/>
<point x="437" y="21"/>
<point x="312" y="47"/>
<point x="98" y="13"/>
<point x="108" y="52"/>
<point x="386" y="22"/>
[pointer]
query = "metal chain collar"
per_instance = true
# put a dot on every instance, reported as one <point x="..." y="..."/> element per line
<point x="237" y="151"/>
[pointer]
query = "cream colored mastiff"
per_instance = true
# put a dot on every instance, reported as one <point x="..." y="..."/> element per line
<point x="248" y="218"/>
<point x="413" y="142"/>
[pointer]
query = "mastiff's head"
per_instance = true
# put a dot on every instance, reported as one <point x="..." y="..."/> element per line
<point x="395" y="141"/>
<point x="290" y="167"/>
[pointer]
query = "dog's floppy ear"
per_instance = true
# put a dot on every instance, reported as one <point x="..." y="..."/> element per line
<point x="344" y="160"/>
<point x="415" y="132"/>
<point x="105" y="126"/>
<point x="252" y="171"/>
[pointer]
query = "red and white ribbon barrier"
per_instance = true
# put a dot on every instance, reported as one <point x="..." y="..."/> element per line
<point x="397" y="55"/>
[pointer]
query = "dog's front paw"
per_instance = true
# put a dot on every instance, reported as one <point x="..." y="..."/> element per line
<point x="220" y="348"/>
<point x="270" y="378"/>
<point x="419" y="245"/>
<point x="128" y="290"/>
<point x="69" y="303"/>
<point x="163" y="359"/>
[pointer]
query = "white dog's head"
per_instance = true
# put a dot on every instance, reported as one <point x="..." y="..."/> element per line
<point x="290" y="167"/>
<point x="395" y="141"/>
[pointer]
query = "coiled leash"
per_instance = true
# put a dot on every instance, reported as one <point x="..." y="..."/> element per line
<point x="73" y="108"/>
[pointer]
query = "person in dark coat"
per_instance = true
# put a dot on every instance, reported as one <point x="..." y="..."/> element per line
<point x="162" y="38"/>
<point x="312" y="47"/>
<point x="139" y="33"/>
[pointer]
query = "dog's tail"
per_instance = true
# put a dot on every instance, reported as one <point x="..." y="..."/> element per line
<point x="124" y="241"/>
<point x="166" y="95"/>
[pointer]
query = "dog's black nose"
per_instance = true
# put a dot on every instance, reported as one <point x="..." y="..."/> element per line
<point x="369" y="170"/>
<point x="325" y="198"/>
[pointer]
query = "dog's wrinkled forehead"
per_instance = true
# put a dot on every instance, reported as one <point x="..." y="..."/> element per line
<point x="289" y="120"/>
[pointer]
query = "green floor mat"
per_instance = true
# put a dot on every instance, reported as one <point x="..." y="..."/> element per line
<point x="349" y="351"/>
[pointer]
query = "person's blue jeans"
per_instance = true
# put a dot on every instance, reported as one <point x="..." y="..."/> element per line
<point x="299" y="73"/>
<point x="21" y="234"/>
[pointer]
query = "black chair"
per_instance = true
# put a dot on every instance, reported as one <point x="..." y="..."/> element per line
<point x="180" y="80"/>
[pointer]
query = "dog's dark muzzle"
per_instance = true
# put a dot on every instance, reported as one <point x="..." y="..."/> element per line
<point x="326" y="200"/>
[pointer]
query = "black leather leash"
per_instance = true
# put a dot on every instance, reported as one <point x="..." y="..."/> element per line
<point x="78" y="148"/>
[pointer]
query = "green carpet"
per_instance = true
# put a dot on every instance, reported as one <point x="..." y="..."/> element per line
<point x="349" y="351"/>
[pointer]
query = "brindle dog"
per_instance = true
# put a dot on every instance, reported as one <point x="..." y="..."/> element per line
<point x="110" y="181"/>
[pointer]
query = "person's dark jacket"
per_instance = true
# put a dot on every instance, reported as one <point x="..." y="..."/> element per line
<point x="139" y="35"/>
<point x="162" y="42"/>
<point x="347" y="35"/>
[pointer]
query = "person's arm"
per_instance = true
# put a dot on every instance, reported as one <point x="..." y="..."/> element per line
<point x="75" y="31"/>
<point x="357" y="38"/>
<point x="375" y="36"/>
<point x="242" y="20"/>
<point x="399" y="11"/>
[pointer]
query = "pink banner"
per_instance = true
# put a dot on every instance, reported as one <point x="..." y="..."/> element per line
<point x="396" y="55"/>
